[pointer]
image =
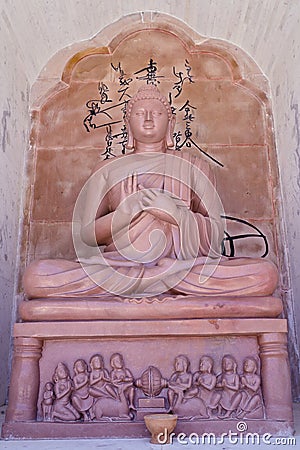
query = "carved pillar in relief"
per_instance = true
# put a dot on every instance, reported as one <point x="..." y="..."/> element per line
<point x="25" y="380"/>
<point x="276" y="378"/>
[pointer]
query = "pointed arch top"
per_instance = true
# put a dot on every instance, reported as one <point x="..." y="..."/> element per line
<point x="61" y="68"/>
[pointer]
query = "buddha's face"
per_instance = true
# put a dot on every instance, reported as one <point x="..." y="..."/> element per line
<point x="149" y="121"/>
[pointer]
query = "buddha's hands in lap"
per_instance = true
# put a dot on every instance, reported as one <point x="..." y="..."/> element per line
<point x="163" y="205"/>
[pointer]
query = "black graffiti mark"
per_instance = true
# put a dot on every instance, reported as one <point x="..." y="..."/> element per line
<point x="173" y="109"/>
<point x="206" y="154"/>
<point x="123" y="81"/>
<point x="124" y="109"/>
<point x="123" y="138"/>
<point x="150" y="76"/>
<point x="93" y="126"/>
<point x="94" y="107"/>
<point x="188" y="71"/>
<point x="178" y="86"/>
<point x="103" y="91"/>
<point x="231" y="239"/>
<point x="188" y="141"/>
<point x="109" y="140"/>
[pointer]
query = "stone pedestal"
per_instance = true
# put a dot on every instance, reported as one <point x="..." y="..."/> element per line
<point x="145" y="343"/>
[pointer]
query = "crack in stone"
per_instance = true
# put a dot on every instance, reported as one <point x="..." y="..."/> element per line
<point x="6" y="114"/>
<point x="295" y="110"/>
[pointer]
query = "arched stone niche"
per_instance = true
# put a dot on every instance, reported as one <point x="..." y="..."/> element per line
<point x="222" y="103"/>
<point x="221" y="99"/>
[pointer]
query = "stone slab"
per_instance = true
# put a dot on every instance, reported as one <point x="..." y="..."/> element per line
<point x="30" y="430"/>
<point x="192" y="327"/>
<point x="168" y="307"/>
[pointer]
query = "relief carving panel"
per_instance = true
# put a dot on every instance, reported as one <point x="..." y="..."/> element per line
<point x="94" y="393"/>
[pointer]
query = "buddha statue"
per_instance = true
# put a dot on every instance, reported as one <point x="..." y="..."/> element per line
<point x="149" y="223"/>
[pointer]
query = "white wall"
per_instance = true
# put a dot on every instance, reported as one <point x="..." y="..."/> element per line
<point x="32" y="31"/>
<point x="14" y="97"/>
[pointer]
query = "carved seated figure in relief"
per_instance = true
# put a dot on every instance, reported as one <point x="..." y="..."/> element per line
<point x="100" y="382"/>
<point x="122" y="380"/>
<point x="206" y="382"/>
<point x="150" y="224"/>
<point x="183" y="397"/>
<point x="229" y="382"/>
<point x="251" y="404"/>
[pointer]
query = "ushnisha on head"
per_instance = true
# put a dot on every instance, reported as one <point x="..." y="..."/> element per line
<point x="148" y="92"/>
<point x="149" y="118"/>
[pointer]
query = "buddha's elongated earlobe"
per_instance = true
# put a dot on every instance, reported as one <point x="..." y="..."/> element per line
<point x="130" y="140"/>
<point x="170" y="131"/>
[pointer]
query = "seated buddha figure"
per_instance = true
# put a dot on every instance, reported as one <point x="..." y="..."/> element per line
<point x="148" y="223"/>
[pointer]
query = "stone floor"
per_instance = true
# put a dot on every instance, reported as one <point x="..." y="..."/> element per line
<point x="144" y="444"/>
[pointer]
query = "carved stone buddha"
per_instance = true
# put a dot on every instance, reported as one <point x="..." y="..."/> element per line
<point x="150" y="224"/>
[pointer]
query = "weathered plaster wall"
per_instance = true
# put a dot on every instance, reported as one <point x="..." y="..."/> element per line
<point x="283" y="72"/>
<point x="32" y="31"/>
<point x="14" y="97"/>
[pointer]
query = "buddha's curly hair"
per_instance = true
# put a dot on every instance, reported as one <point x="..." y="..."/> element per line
<point x="148" y="92"/>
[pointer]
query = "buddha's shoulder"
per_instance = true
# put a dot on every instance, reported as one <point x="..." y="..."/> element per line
<point x="192" y="158"/>
<point x="105" y="163"/>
